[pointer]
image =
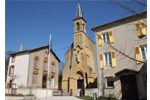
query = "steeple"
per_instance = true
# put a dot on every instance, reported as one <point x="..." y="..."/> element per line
<point x="79" y="13"/>
<point x="79" y="21"/>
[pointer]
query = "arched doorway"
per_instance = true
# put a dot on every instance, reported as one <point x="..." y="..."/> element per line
<point x="80" y="80"/>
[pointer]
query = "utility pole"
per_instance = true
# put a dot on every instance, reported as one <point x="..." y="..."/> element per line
<point x="99" y="71"/>
<point x="48" y="69"/>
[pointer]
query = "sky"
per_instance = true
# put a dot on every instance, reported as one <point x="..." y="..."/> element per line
<point x="31" y="21"/>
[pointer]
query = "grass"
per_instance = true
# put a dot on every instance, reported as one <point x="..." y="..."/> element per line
<point x="86" y="97"/>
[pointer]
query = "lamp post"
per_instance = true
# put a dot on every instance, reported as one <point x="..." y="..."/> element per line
<point x="48" y="69"/>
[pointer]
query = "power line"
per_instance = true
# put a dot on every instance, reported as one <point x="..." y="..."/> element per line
<point x="140" y="3"/>
<point x="126" y="55"/>
<point x="124" y="7"/>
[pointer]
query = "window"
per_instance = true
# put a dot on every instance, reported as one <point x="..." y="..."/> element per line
<point x="83" y="26"/>
<point x="78" y="26"/>
<point x="70" y="67"/>
<point x="141" y="53"/>
<point x="36" y="61"/>
<point x="144" y="52"/>
<point x="110" y="82"/>
<point x="45" y="65"/>
<point x="105" y="37"/>
<point x="53" y="67"/>
<point x="34" y="78"/>
<point x="13" y="59"/>
<point x="11" y="71"/>
<point x="46" y="55"/>
<point x="78" y="58"/>
<point x="107" y="57"/>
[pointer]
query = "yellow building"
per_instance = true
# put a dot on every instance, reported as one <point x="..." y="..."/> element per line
<point x="79" y="68"/>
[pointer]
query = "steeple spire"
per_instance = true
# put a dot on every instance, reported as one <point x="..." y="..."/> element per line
<point x="79" y="13"/>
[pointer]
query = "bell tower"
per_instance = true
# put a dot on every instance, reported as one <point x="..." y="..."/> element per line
<point x="79" y="26"/>
<point x="79" y="21"/>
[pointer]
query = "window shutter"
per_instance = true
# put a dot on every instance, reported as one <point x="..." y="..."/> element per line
<point x="101" y="60"/>
<point x="141" y="29"/>
<point x="144" y="29"/>
<point x="138" y="32"/>
<point x="111" y="38"/>
<point x="113" y="58"/>
<point x="99" y="40"/>
<point x="137" y="54"/>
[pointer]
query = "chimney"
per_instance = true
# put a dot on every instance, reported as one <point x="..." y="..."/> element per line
<point x="21" y="47"/>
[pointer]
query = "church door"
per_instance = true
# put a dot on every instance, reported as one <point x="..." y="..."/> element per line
<point x="80" y="84"/>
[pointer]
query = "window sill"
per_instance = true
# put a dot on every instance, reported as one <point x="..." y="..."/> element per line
<point x="141" y="36"/>
<point x="108" y="66"/>
<point x="36" y="68"/>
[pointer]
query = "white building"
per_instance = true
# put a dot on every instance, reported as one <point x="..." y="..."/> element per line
<point x="28" y="68"/>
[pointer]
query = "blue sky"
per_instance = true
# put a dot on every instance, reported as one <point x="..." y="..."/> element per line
<point x="31" y="21"/>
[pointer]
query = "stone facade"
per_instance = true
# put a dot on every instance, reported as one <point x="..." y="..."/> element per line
<point x="79" y="68"/>
<point x="123" y="72"/>
<point x="30" y="68"/>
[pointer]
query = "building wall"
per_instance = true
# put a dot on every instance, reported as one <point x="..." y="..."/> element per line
<point x="23" y="69"/>
<point x="125" y="40"/>
<point x="86" y="48"/>
<point x="41" y="55"/>
<point x="20" y="70"/>
<point x="141" y="83"/>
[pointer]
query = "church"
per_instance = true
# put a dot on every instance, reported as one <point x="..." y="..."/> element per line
<point x="80" y="62"/>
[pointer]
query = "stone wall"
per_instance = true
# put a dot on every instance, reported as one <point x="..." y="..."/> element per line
<point x="76" y="92"/>
<point x="88" y="92"/>
<point x="38" y="93"/>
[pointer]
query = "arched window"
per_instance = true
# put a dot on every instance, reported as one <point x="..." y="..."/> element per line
<point x="11" y="71"/>
<point x="78" y="26"/>
<point x="36" y="61"/>
<point x="78" y="57"/>
<point x="83" y="26"/>
<point x="45" y="65"/>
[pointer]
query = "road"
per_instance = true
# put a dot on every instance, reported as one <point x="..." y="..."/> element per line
<point x="60" y="98"/>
